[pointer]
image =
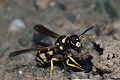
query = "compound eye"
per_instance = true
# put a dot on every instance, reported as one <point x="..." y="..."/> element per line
<point x="78" y="44"/>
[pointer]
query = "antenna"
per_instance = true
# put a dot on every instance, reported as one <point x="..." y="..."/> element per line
<point x="87" y="30"/>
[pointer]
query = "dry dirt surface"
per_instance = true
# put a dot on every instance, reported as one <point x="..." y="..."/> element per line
<point x="100" y="61"/>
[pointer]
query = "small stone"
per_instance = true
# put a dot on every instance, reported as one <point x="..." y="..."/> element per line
<point x="52" y="4"/>
<point x="20" y="72"/>
<point x="42" y="4"/>
<point x="16" y="25"/>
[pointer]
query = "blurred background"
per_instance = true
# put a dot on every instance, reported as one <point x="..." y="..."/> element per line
<point x="65" y="17"/>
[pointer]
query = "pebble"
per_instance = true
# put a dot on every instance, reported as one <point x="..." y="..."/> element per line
<point x="43" y="4"/>
<point x="16" y="25"/>
<point x="52" y="4"/>
<point x="20" y="72"/>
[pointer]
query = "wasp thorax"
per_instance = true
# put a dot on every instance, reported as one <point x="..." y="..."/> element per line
<point x="61" y="42"/>
<point x="74" y="41"/>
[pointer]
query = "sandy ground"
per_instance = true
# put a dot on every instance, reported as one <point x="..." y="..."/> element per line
<point x="18" y="17"/>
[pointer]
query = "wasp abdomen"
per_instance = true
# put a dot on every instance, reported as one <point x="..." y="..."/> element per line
<point x="45" y="56"/>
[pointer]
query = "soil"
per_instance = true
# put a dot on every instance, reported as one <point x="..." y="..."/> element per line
<point x="101" y="61"/>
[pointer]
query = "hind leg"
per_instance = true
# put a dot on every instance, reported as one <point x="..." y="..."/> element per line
<point x="52" y="67"/>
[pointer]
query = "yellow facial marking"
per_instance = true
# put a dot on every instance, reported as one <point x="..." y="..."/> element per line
<point x="78" y="44"/>
<point x="63" y="40"/>
<point x="50" y="52"/>
<point x="61" y="48"/>
<point x="40" y="60"/>
<point x="43" y="57"/>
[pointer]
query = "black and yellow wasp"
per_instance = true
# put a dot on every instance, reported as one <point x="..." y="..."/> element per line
<point x="61" y="50"/>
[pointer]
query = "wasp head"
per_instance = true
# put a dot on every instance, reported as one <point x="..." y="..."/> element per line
<point x="74" y="42"/>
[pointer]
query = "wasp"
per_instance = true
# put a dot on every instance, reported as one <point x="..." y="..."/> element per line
<point x="61" y="50"/>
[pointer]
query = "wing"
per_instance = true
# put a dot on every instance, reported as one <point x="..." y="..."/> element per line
<point x="42" y="29"/>
<point x="41" y="39"/>
<point x="13" y="54"/>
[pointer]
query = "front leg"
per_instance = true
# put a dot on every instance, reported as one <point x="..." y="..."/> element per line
<point x="73" y="65"/>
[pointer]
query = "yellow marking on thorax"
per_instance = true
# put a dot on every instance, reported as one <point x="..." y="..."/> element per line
<point x="50" y="52"/>
<point x="57" y="44"/>
<point x="43" y="57"/>
<point x="78" y="44"/>
<point x="61" y="48"/>
<point x="63" y="40"/>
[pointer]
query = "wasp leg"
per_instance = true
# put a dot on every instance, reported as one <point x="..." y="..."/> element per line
<point x="65" y="68"/>
<point x="72" y="65"/>
<point x="73" y="60"/>
<point x="51" y="69"/>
